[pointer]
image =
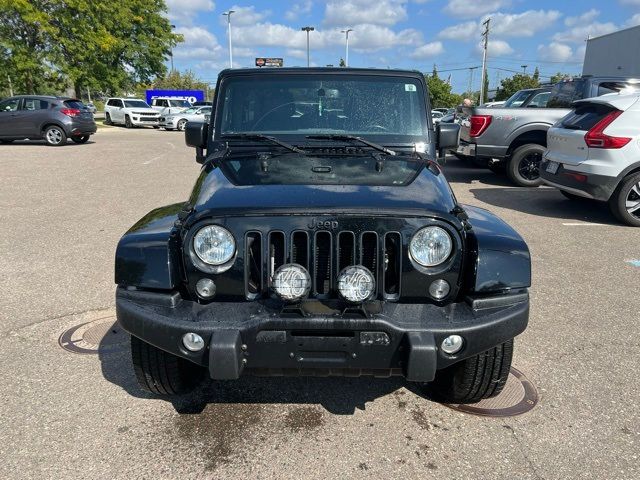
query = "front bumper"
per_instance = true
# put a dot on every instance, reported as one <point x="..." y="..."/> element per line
<point x="141" y="121"/>
<point x="256" y="337"/>
<point x="167" y="122"/>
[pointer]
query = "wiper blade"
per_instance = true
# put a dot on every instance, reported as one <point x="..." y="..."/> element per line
<point x="353" y="138"/>
<point x="265" y="138"/>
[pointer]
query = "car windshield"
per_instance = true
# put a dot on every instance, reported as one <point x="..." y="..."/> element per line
<point x="179" y="103"/>
<point x="517" y="99"/>
<point x="136" y="104"/>
<point x="294" y="169"/>
<point x="191" y="110"/>
<point x="391" y="107"/>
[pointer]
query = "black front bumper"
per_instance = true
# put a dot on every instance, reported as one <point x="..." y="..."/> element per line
<point x="256" y="337"/>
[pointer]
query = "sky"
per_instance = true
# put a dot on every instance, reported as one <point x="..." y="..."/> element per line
<point x="414" y="34"/>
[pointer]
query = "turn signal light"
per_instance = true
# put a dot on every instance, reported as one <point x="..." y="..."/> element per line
<point x="595" y="138"/>
<point x="479" y="123"/>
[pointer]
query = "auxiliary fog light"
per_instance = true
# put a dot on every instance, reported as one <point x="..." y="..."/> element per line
<point x="205" y="288"/>
<point x="452" y="344"/>
<point x="356" y="283"/>
<point x="291" y="282"/>
<point x="192" y="342"/>
<point x="439" y="289"/>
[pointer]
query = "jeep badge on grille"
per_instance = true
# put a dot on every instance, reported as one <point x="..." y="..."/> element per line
<point x="323" y="225"/>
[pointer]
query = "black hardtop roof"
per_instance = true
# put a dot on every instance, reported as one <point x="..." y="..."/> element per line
<point x="229" y="72"/>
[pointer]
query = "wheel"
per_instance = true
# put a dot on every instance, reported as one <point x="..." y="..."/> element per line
<point x="55" y="136"/>
<point x="6" y="142"/>
<point x="524" y="167"/>
<point x="82" y="139"/>
<point x="625" y="202"/>
<point x="182" y="125"/>
<point x="107" y="119"/>
<point x="127" y="122"/>
<point x="574" y="197"/>
<point x="162" y="373"/>
<point x="469" y="381"/>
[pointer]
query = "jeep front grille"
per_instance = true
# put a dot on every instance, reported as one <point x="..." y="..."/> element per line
<point x="324" y="254"/>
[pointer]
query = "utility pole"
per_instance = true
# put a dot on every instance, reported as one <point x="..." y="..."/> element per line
<point x="171" y="51"/>
<point x="310" y="29"/>
<point x="470" y="86"/>
<point x="524" y="69"/>
<point x="485" y="35"/>
<point x="346" y="32"/>
<point x="228" y="15"/>
<point x="10" y="86"/>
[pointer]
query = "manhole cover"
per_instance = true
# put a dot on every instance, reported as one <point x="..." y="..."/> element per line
<point x="102" y="335"/>
<point x="518" y="397"/>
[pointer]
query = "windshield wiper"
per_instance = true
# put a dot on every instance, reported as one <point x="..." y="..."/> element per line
<point x="264" y="138"/>
<point x="352" y="138"/>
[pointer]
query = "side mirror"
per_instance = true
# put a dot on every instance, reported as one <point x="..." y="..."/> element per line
<point x="195" y="135"/>
<point x="447" y="137"/>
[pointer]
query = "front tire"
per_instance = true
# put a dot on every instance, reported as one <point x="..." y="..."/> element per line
<point x="625" y="202"/>
<point x="83" y="139"/>
<point x="127" y="122"/>
<point x="476" y="378"/>
<point x="182" y="125"/>
<point x="524" y="167"/>
<point x="162" y="373"/>
<point x="107" y="119"/>
<point x="55" y="136"/>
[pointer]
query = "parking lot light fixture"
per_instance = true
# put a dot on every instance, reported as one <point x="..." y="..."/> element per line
<point x="228" y="15"/>
<point x="308" y="29"/>
<point x="346" y="32"/>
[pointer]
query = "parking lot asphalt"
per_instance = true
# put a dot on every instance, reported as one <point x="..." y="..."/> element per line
<point x="67" y="415"/>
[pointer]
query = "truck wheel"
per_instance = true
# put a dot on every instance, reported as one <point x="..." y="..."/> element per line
<point x="55" y="136"/>
<point x="482" y="376"/>
<point x="162" y="373"/>
<point x="625" y="202"/>
<point x="524" y="167"/>
<point x="127" y="122"/>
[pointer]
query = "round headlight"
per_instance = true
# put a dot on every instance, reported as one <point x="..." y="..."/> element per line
<point x="291" y="282"/>
<point x="356" y="284"/>
<point x="430" y="246"/>
<point x="214" y="245"/>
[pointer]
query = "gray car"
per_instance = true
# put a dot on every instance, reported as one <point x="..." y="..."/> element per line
<point x="179" y="120"/>
<point x="52" y="119"/>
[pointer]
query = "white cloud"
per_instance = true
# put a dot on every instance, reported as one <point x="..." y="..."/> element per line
<point x="244" y="16"/>
<point x="580" y="33"/>
<point x="356" y="12"/>
<point x="297" y="53"/>
<point x="633" y="21"/>
<point x="199" y="44"/>
<point x="469" y="9"/>
<point x="525" y="24"/>
<point x="370" y="38"/>
<point x="630" y="2"/>
<point x="428" y="50"/>
<point x="586" y="17"/>
<point x="497" y="48"/>
<point x="184" y="11"/>
<point x="298" y="10"/>
<point x="555" y="52"/>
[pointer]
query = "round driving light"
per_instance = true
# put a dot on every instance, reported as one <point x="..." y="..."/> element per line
<point x="356" y="284"/>
<point x="192" y="342"/>
<point x="205" y="288"/>
<point x="439" y="289"/>
<point x="214" y="245"/>
<point x="452" y="344"/>
<point x="291" y="282"/>
<point x="430" y="246"/>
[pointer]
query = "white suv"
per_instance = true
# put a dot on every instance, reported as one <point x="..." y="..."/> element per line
<point x="594" y="152"/>
<point x="130" y="112"/>
<point x="169" y="106"/>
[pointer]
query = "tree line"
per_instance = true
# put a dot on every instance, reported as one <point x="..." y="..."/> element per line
<point x="47" y="47"/>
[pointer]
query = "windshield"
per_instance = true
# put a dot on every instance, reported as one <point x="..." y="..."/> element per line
<point x="367" y="105"/>
<point x="517" y="99"/>
<point x="191" y="110"/>
<point x="179" y="103"/>
<point x="136" y="104"/>
<point x="293" y="169"/>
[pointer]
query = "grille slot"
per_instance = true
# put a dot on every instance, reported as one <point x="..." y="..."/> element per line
<point x="277" y="251"/>
<point x="300" y="249"/>
<point x="253" y="265"/>
<point x="322" y="264"/>
<point x="369" y="252"/>
<point x="392" y="265"/>
<point x="346" y="250"/>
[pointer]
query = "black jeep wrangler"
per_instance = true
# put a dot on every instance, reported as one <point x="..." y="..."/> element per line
<point x="322" y="238"/>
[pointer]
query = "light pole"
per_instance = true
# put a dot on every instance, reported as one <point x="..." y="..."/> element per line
<point x="228" y="15"/>
<point x="171" y="52"/>
<point x="308" y="29"/>
<point x="524" y="69"/>
<point x="346" y="32"/>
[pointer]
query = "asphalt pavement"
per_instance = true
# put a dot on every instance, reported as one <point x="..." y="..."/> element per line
<point x="70" y="415"/>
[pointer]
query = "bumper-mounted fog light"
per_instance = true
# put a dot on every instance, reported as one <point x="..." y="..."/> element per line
<point x="192" y="342"/>
<point x="205" y="288"/>
<point x="356" y="284"/>
<point x="439" y="289"/>
<point x="452" y="344"/>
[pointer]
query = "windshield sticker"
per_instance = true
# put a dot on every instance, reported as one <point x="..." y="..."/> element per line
<point x="409" y="87"/>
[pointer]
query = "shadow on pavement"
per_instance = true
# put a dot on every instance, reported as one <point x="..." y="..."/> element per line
<point x="459" y="171"/>
<point x="338" y="395"/>
<point x="545" y="202"/>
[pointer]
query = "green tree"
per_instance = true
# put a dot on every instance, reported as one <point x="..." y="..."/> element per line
<point x="558" y="77"/>
<point x="180" y="81"/>
<point x="342" y="63"/>
<point x="440" y="92"/>
<point x="509" y="86"/>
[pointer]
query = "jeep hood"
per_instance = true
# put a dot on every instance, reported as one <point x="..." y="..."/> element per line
<point x="425" y="192"/>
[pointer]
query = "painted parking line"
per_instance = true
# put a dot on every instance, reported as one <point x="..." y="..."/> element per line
<point x="584" y="224"/>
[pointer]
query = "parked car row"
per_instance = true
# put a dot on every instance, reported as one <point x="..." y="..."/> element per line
<point x="169" y="113"/>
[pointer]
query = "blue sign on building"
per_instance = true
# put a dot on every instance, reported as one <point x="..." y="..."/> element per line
<point x="189" y="95"/>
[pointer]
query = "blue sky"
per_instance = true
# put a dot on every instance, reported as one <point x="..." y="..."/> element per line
<point x="412" y="34"/>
